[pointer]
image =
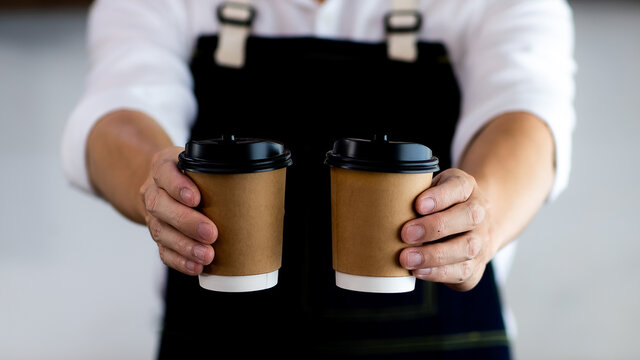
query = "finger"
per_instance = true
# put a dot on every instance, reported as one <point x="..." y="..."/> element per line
<point x="453" y="251"/>
<point x="470" y="283"/>
<point x="167" y="236"/>
<point x="455" y="274"/>
<point x="185" y="219"/>
<point x="174" y="260"/>
<point x="457" y="219"/>
<point x="450" y="187"/>
<point x="457" y="283"/>
<point x="167" y="176"/>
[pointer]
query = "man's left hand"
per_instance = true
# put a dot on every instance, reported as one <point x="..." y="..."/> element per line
<point x="453" y="237"/>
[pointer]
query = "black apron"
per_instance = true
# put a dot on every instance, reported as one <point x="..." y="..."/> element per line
<point x="308" y="92"/>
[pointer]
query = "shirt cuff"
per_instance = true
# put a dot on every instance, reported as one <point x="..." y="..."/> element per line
<point x="559" y="117"/>
<point x="158" y="102"/>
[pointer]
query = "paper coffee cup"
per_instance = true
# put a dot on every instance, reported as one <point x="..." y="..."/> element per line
<point x="374" y="184"/>
<point x="242" y="186"/>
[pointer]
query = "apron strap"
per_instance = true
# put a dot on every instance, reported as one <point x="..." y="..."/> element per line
<point x="235" y="19"/>
<point x="402" y="25"/>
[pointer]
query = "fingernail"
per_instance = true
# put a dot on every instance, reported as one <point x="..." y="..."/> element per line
<point x="426" y="205"/>
<point x="186" y="195"/>
<point x="414" y="259"/>
<point x="414" y="233"/>
<point x="200" y="252"/>
<point x="205" y="231"/>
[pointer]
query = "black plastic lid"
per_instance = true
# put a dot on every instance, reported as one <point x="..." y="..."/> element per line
<point x="382" y="155"/>
<point x="228" y="155"/>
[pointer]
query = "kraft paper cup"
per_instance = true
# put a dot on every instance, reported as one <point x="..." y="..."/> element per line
<point x="242" y="187"/>
<point x="374" y="184"/>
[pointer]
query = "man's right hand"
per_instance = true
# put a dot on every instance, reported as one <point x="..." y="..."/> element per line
<point x="184" y="235"/>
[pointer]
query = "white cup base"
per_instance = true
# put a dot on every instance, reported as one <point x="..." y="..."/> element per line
<point x="375" y="284"/>
<point x="242" y="283"/>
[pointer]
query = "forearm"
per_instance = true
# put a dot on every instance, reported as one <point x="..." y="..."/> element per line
<point x="119" y="152"/>
<point x="512" y="160"/>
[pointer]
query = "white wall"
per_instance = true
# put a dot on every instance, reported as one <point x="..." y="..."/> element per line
<point x="574" y="286"/>
<point x="77" y="281"/>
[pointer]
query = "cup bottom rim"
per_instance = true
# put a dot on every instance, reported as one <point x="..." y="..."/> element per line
<point x="239" y="283"/>
<point x="375" y="284"/>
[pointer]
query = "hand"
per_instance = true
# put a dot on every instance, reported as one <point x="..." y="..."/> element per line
<point x="454" y="237"/>
<point x="184" y="235"/>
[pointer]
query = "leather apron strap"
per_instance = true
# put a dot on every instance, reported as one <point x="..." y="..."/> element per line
<point x="235" y="19"/>
<point x="402" y="25"/>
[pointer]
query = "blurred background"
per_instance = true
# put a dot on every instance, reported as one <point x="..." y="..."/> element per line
<point x="77" y="281"/>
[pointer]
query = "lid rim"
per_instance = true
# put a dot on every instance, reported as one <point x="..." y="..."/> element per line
<point x="233" y="155"/>
<point x="233" y="169"/>
<point x="352" y="166"/>
<point x="382" y="155"/>
<point x="416" y="166"/>
<point x="227" y="167"/>
<point x="204" y="170"/>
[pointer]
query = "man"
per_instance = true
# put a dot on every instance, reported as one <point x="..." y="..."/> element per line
<point x="488" y="85"/>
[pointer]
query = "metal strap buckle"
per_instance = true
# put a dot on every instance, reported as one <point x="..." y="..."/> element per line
<point x="245" y="19"/>
<point x="413" y="26"/>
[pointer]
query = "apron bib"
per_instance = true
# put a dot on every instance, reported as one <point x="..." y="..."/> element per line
<point x="308" y="92"/>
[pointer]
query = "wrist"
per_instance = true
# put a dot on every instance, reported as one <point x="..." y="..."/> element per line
<point x="120" y="149"/>
<point x="511" y="160"/>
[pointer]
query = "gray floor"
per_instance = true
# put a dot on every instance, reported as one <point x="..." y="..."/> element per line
<point x="77" y="281"/>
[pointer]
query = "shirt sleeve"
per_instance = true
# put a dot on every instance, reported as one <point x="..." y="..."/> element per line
<point x="519" y="57"/>
<point x="138" y="60"/>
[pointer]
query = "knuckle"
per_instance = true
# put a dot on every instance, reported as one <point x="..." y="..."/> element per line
<point x="157" y="173"/>
<point x="438" y="256"/>
<point x="155" y="228"/>
<point x="163" y="254"/>
<point x="436" y="180"/>
<point x="159" y="167"/>
<point x="156" y="177"/>
<point x="156" y="163"/>
<point x="151" y="200"/>
<point x="476" y="213"/>
<point x="444" y="272"/>
<point x="143" y="197"/>
<point x="465" y="272"/>
<point x="143" y="190"/>
<point x="460" y="178"/>
<point x="187" y="248"/>
<point x="466" y="184"/>
<point x="471" y="180"/>
<point x="156" y="156"/>
<point x="460" y="186"/>
<point x="485" y="203"/>
<point x="453" y="172"/>
<point x="473" y="247"/>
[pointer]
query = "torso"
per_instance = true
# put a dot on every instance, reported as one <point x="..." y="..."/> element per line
<point x="307" y="92"/>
